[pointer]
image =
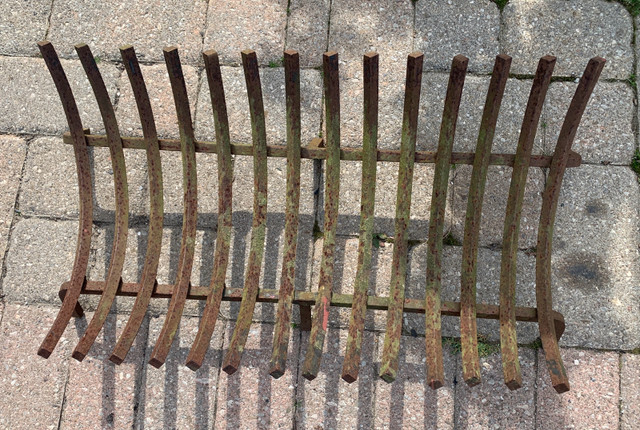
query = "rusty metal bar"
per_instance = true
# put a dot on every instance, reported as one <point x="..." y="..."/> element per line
<point x="156" y="205"/>
<point x="468" y="328"/>
<point x="437" y="213"/>
<point x="393" y="335"/>
<point x="331" y="201"/>
<point x="287" y="281"/>
<point x="550" y="197"/>
<point x="508" y="336"/>
<point x="258" y="229"/>
<point x="320" y="153"/>
<point x="190" y="214"/>
<point x="351" y="364"/>
<point x="114" y="275"/>
<point x="225" y="207"/>
<point x="83" y="246"/>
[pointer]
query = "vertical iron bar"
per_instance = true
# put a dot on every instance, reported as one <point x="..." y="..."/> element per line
<point x="258" y="229"/>
<point x="437" y="214"/>
<point x="351" y="365"/>
<point x="508" y="336"/>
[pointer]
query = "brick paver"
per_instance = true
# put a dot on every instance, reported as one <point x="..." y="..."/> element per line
<point x="12" y="150"/>
<point x="22" y="25"/>
<point x="629" y="391"/>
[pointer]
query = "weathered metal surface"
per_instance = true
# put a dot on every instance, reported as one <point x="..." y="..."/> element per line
<point x="156" y="205"/>
<point x="435" y="372"/>
<point x="258" y="229"/>
<point x="550" y="197"/>
<point x="190" y="210"/>
<point x="225" y="226"/>
<point x="287" y="283"/>
<point x="320" y="153"/>
<point x="393" y="335"/>
<point x="118" y="251"/>
<point x="508" y="337"/>
<point x="71" y="294"/>
<point x="468" y="329"/>
<point x="351" y="364"/>
<point x="331" y="199"/>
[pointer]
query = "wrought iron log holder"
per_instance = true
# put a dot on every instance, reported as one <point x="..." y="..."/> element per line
<point x="550" y="322"/>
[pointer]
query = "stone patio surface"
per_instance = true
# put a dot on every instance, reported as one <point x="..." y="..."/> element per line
<point x="596" y="254"/>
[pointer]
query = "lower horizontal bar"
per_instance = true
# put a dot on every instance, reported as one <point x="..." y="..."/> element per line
<point x="317" y="152"/>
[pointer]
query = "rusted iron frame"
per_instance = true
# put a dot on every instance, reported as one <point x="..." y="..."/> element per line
<point x="292" y="209"/>
<point x="156" y="205"/>
<point x="225" y="215"/>
<point x="468" y="326"/>
<point x="393" y="334"/>
<point x="119" y="249"/>
<point x="233" y="356"/>
<point x="508" y="336"/>
<point x="313" y="356"/>
<point x="433" y="345"/>
<point x="550" y="198"/>
<point x="351" y="364"/>
<point x="190" y="209"/>
<point x="70" y="295"/>
<point x="316" y="151"/>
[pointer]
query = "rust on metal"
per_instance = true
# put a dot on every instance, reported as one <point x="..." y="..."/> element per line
<point x="156" y="205"/>
<point x="351" y="365"/>
<point x="393" y="335"/>
<point x="287" y="282"/>
<point x="258" y="229"/>
<point x="508" y="337"/>
<point x="468" y="328"/>
<point x="114" y="275"/>
<point x="313" y="356"/>
<point x="550" y="197"/>
<point x="190" y="210"/>
<point x="433" y="343"/>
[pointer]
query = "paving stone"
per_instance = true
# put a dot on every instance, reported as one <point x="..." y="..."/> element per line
<point x="491" y="405"/>
<point x="606" y="131"/>
<point x="533" y="28"/>
<point x="307" y="30"/>
<point x="251" y="398"/>
<point x="446" y="29"/>
<point x="161" y="96"/>
<point x="409" y="402"/>
<point x="495" y="204"/>
<point x="35" y="106"/>
<point x="50" y="161"/>
<point x="233" y="27"/>
<point x="174" y="396"/>
<point x="149" y="27"/>
<point x="31" y="388"/>
<point x="596" y="256"/>
<point x="23" y="24"/>
<point x="328" y="401"/>
<point x="40" y="259"/>
<point x="100" y="394"/>
<point x="630" y="392"/>
<point x="273" y="93"/>
<point x="592" y="402"/>
<point x="12" y="150"/>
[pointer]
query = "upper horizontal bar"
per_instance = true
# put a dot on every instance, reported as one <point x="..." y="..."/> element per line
<point x="318" y="153"/>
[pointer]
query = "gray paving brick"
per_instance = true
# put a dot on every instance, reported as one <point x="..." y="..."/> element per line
<point x="22" y="25"/>
<point x="149" y="27"/>
<point x="34" y="105"/>
<point x="629" y="391"/>
<point x="13" y="150"/>
<point x="446" y="29"/>
<point x="307" y="30"/>
<point x="574" y="31"/>
<point x="233" y="27"/>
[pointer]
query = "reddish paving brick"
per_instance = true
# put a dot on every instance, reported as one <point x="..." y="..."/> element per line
<point x="592" y="402"/>
<point x="31" y="388"/>
<point x="251" y="398"/>
<point x="12" y="154"/>
<point x="100" y="394"/>
<point x="630" y="391"/>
